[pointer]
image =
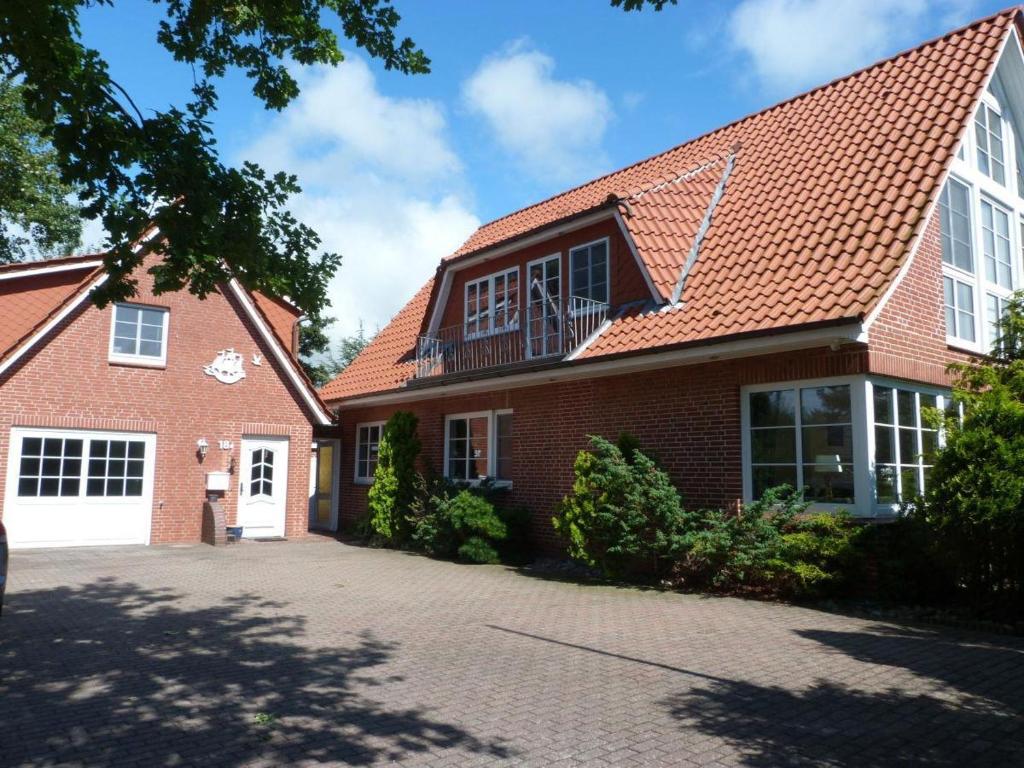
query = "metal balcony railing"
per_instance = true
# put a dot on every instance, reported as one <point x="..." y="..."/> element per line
<point x="542" y="329"/>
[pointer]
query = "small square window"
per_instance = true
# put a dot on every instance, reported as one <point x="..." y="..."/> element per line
<point x="139" y="335"/>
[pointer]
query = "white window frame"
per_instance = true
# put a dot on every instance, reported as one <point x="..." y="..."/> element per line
<point x="989" y="103"/>
<point x="861" y="479"/>
<point x="942" y="401"/>
<point x="862" y="406"/>
<point x="981" y="189"/>
<point x="356" y="477"/>
<point x="607" y="268"/>
<point x="146" y="361"/>
<point x="490" y="281"/>
<point x="492" y="444"/>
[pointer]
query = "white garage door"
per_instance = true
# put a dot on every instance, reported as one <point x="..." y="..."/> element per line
<point x="75" y="488"/>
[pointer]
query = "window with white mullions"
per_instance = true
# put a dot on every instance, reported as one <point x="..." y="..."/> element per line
<point x="955" y="225"/>
<point x="995" y="310"/>
<point x="468" y="447"/>
<point x="988" y="134"/>
<point x="50" y="466"/>
<point x="492" y="303"/>
<point x="905" y="442"/>
<point x="367" y="450"/>
<point x="803" y="438"/>
<point x="139" y="333"/>
<point x="588" y="267"/>
<point x="479" y="445"/>
<point x="959" y="300"/>
<point x="995" y="242"/>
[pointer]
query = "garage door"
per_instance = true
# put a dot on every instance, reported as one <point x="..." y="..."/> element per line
<point x="76" y="488"/>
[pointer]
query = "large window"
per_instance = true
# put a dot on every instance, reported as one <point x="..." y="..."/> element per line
<point x="588" y="271"/>
<point x="905" y="442"/>
<point x="980" y="215"/>
<point x="492" y="303"/>
<point x="93" y="467"/>
<point x="479" y="445"/>
<point x="367" y="448"/>
<point x="803" y="437"/>
<point x="864" y="444"/>
<point x="139" y="334"/>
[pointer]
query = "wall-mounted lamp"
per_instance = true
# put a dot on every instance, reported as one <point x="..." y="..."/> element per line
<point x="202" y="446"/>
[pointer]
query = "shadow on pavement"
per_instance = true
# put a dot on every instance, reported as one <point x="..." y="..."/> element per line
<point x="966" y="711"/>
<point x="144" y="679"/>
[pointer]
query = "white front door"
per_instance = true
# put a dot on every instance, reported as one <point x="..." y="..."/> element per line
<point x="263" y="486"/>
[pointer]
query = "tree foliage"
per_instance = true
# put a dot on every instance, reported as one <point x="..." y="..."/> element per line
<point x="37" y="217"/>
<point x="135" y="169"/>
<point x="975" y="501"/>
<point x="395" y="480"/>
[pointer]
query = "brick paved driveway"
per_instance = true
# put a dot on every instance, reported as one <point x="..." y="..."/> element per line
<point x="274" y="654"/>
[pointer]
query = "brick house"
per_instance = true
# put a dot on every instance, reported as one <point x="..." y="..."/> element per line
<point x="775" y="301"/>
<point x="114" y="422"/>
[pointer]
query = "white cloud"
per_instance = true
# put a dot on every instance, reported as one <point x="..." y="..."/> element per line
<point x="554" y="127"/>
<point x="381" y="185"/>
<point x="798" y="43"/>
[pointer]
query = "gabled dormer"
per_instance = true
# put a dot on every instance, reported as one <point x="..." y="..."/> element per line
<point x="544" y="297"/>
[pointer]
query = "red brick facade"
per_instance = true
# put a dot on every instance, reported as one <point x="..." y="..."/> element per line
<point x="908" y="338"/>
<point x="687" y="416"/>
<point x="68" y="382"/>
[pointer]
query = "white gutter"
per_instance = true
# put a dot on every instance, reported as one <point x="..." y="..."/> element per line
<point x="33" y="271"/>
<point x="851" y="333"/>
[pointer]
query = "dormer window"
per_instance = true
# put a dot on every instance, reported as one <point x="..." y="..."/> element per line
<point x="588" y="269"/>
<point x="139" y="335"/>
<point x="492" y="303"/>
<point x="988" y="130"/>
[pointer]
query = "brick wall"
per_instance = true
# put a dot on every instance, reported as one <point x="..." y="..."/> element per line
<point x="908" y="338"/>
<point x="69" y="383"/>
<point x="688" y="416"/>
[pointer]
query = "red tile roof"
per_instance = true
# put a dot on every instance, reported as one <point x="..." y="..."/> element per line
<point x="390" y="358"/>
<point x="29" y="299"/>
<point x="280" y="316"/>
<point x="827" y="194"/>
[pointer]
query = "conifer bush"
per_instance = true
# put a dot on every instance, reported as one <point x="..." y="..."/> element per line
<point x="395" y="479"/>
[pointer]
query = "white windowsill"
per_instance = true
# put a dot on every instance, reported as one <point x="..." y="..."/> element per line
<point x="137" y="362"/>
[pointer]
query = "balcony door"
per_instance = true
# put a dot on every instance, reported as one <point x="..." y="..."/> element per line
<point x="544" y="315"/>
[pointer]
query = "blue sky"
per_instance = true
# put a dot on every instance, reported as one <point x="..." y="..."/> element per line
<point x="525" y="99"/>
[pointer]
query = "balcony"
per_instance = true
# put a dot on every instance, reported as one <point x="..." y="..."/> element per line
<point x="545" y="329"/>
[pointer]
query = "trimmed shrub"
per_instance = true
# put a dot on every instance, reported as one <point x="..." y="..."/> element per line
<point x="622" y="517"/>
<point x="395" y="480"/>
<point x="464" y="525"/>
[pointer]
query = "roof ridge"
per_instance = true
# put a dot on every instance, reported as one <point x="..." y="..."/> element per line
<point x="657" y="186"/>
<point x="1010" y="10"/>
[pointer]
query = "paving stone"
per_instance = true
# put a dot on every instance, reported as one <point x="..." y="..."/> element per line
<point x="318" y="653"/>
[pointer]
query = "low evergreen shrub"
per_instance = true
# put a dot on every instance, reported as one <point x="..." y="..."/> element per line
<point x="624" y="517"/>
<point x="459" y="524"/>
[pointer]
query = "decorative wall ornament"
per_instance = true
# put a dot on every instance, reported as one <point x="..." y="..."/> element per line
<point x="257" y="359"/>
<point x="226" y="367"/>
